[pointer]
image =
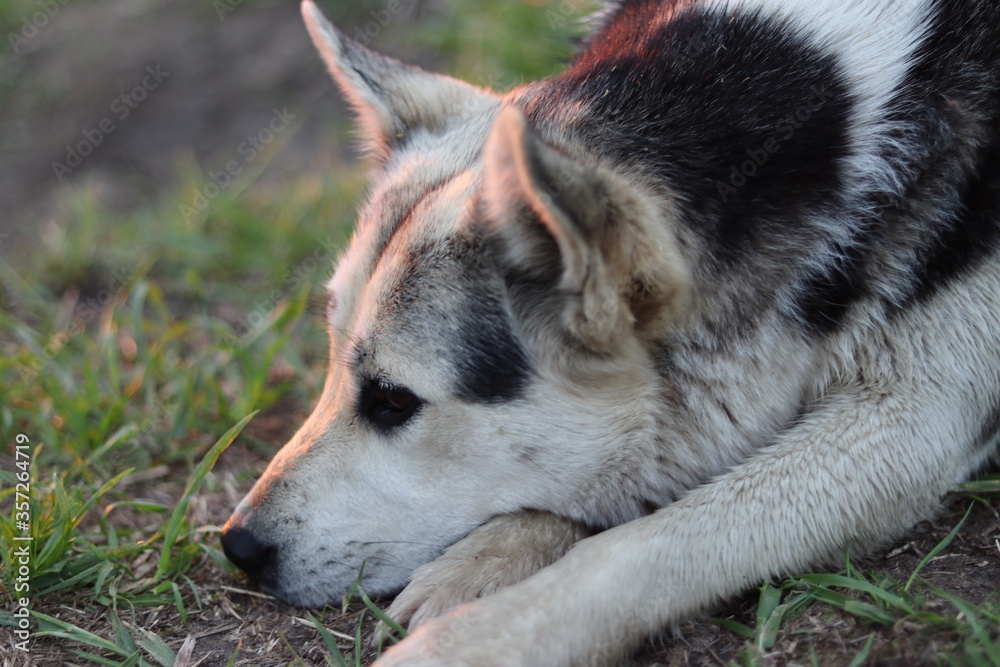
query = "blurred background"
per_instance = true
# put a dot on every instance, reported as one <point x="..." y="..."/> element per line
<point x="123" y="103"/>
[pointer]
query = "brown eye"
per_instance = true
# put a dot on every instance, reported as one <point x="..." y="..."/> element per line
<point x="385" y="407"/>
<point x="399" y="401"/>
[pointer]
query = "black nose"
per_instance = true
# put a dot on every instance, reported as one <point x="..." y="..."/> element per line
<point x="247" y="552"/>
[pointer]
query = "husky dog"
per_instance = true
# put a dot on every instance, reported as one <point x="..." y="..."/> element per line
<point x="714" y="305"/>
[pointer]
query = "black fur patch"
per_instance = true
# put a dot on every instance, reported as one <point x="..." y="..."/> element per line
<point x="990" y="429"/>
<point x="744" y="120"/>
<point x="828" y="293"/>
<point x="476" y="335"/>
<point x="958" y="78"/>
<point x="491" y="363"/>
<point x="971" y="238"/>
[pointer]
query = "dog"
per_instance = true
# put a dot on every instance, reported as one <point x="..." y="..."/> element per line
<point x="716" y="304"/>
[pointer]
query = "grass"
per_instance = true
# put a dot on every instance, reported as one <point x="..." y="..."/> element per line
<point x="136" y="348"/>
<point x="966" y="634"/>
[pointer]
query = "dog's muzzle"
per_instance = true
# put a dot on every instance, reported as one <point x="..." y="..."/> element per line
<point x="255" y="557"/>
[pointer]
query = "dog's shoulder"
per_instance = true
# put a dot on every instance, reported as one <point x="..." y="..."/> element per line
<point x="833" y="155"/>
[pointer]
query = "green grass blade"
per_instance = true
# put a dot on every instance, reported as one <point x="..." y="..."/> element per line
<point x="767" y="632"/>
<point x="334" y="657"/>
<point x="64" y="630"/>
<point x="143" y="506"/>
<point x="889" y="599"/>
<point x="154" y="646"/>
<point x="770" y="597"/>
<point x="381" y="615"/>
<point x="194" y="592"/>
<point x="122" y="637"/>
<point x="129" y="662"/>
<point x="179" y="602"/>
<point x="988" y="484"/>
<point x="220" y="559"/>
<point x="106" y="569"/>
<point x="734" y="626"/>
<point x="862" y="657"/>
<point x="973" y="616"/>
<point x="941" y="546"/>
<point x="863" y="610"/>
<point x="115" y="438"/>
<point x="72" y="581"/>
<point x="97" y="495"/>
<point x="869" y="612"/>
<point x="172" y="528"/>
<point x="357" y="640"/>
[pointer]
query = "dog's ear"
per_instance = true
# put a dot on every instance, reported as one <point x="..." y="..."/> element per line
<point x="391" y="98"/>
<point x="607" y="243"/>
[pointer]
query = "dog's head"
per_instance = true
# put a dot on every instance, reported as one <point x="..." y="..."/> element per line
<point x="490" y="328"/>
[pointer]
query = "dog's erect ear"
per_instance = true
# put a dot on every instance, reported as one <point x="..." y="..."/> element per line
<point x="391" y="98"/>
<point x="612" y="244"/>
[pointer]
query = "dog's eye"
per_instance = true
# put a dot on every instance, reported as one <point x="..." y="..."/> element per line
<point x="386" y="407"/>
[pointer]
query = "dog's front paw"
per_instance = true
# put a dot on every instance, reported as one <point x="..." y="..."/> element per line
<point x="465" y="637"/>
<point x="499" y="553"/>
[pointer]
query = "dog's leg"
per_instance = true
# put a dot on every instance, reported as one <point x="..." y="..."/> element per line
<point x="862" y="468"/>
<point x="501" y="552"/>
